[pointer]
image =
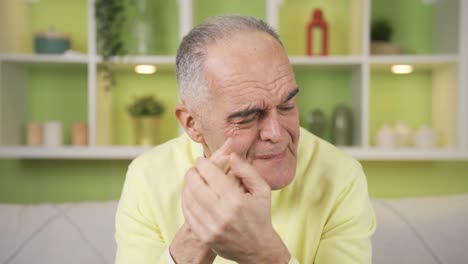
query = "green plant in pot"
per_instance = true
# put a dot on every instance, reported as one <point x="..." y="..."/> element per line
<point x="145" y="112"/>
<point x="381" y="38"/>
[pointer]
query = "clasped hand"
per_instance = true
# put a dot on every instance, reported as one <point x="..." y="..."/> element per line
<point x="227" y="205"/>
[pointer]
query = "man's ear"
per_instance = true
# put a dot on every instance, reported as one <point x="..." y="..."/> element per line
<point x="188" y="121"/>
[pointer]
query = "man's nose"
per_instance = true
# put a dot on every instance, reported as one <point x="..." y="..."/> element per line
<point x="271" y="127"/>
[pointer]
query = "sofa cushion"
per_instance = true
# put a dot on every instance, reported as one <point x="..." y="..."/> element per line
<point x="418" y="230"/>
<point x="65" y="233"/>
<point x="421" y="230"/>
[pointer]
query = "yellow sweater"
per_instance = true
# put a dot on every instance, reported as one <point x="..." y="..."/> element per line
<point x="323" y="216"/>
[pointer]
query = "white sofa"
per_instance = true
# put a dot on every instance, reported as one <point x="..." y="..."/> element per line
<point x="420" y="230"/>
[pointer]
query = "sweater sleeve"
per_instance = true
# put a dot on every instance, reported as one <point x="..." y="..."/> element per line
<point x="137" y="235"/>
<point x="351" y="223"/>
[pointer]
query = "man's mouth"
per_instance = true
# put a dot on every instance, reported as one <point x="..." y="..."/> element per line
<point x="273" y="156"/>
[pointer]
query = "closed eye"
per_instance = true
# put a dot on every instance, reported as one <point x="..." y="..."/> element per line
<point x="249" y="119"/>
<point x="286" y="108"/>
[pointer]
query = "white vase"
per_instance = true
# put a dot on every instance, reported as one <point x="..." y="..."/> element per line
<point x="425" y="137"/>
<point x="386" y="137"/>
<point x="403" y="133"/>
<point x="52" y="134"/>
<point x="143" y="36"/>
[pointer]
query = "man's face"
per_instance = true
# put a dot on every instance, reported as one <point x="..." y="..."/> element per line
<point x="252" y="99"/>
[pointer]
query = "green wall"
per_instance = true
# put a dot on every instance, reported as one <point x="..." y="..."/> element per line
<point x="39" y="181"/>
<point x="416" y="178"/>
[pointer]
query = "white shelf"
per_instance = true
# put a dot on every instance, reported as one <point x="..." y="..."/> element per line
<point x="295" y="60"/>
<point x="414" y="59"/>
<point x="157" y="60"/>
<point x="104" y="152"/>
<point x="130" y="152"/>
<point x="325" y="60"/>
<point x="402" y="154"/>
<point x="43" y="58"/>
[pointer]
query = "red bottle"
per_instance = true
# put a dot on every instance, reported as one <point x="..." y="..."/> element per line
<point x="319" y="22"/>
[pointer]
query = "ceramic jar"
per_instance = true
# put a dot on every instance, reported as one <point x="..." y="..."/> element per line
<point x="51" y="42"/>
<point x="425" y="137"/>
<point x="342" y="126"/>
<point x="386" y="137"/>
<point x="34" y="134"/>
<point x="403" y="133"/>
<point x="316" y="122"/>
<point x="53" y="134"/>
<point x="80" y="134"/>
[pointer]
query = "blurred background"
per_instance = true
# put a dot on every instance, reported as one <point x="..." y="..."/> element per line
<point x="86" y="86"/>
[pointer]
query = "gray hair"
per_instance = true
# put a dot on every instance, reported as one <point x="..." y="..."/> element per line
<point x="192" y="51"/>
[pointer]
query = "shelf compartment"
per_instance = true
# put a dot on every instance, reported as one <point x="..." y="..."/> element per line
<point x="41" y="92"/>
<point x="325" y="88"/>
<point x="427" y="96"/>
<point x="203" y="9"/>
<point x="113" y="123"/>
<point x="164" y="19"/>
<point x="421" y="27"/>
<point x="30" y="17"/>
<point x="344" y="21"/>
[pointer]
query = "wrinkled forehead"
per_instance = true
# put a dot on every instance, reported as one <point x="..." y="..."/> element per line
<point x="248" y="65"/>
<point x="245" y="52"/>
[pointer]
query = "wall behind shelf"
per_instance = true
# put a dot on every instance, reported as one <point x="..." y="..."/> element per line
<point x="65" y="17"/>
<point x="15" y="11"/>
<point x="130" y="85"/>
<point x="399" y="97"/>
<point x="344" y="32"/>
<point x="20" y="20"/>
<point x="58" y="93"/>
<point x="411" y="22"/>
<point x="165" y="21"/>
<point x="41" y="181"/>
<point x="322" y="89"/>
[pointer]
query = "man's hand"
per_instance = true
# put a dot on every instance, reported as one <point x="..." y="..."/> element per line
<point x="227" y="205"/>
<point x="186" y="246"/>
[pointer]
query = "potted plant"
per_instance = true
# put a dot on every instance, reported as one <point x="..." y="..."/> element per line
<point x="145" y="112"/>
<point x="381" y="36"/>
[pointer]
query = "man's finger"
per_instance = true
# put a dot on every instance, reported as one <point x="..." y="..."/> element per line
<point x="197" y="191"/>
<point x="217" y="179"/>
<point x="221" y="156"/>
<point x="251" y="180"/>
